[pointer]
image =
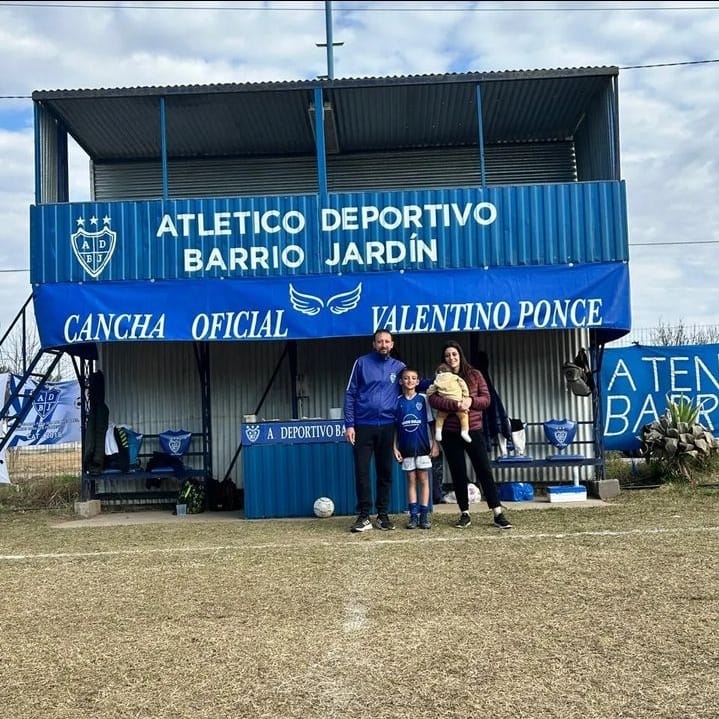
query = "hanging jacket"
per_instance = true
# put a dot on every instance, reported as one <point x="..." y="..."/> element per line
<point x="496" y="420"/>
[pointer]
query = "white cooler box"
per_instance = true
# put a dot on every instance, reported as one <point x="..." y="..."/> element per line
<point x="567" y="493"/>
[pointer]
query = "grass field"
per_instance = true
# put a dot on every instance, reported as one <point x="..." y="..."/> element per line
<point x="595" y="613"/>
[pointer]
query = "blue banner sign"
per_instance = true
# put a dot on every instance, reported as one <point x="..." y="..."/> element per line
<point x="637" y="382"/>
<point x="312" y="431"/>
<point x="592" y="296"/>
<point x="51" y="417"/>
<point x="355" y="233"/>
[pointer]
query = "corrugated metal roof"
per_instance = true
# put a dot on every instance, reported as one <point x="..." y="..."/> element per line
<point x="272" y="118"/>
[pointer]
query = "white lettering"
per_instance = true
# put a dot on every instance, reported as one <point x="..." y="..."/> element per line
<point x="113" y="327"/>
<point x="614" y="413"/>
<point x="242" y="259"/>
<point x="245" y="324"/>
<point x="557" y="313"/>
<point x="472" y="316"/>
<point x="374" y="252"/>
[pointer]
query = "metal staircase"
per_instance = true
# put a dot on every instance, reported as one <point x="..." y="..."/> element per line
<point x="33" y="373"/>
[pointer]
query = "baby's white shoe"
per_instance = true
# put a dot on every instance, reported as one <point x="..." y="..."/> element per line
<point x="465" y="436"/>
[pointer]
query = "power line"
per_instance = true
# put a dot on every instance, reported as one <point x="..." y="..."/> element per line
<point x="674" y="244"/>
<point x="667" y="64"/>
<point x="378" y="7"/>
<point x="631" y="244"/>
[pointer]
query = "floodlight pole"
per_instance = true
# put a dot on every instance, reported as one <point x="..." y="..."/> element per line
<point x="329" y="44"/>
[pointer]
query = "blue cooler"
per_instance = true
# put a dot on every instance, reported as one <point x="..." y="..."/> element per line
<point x="516" y="492"/>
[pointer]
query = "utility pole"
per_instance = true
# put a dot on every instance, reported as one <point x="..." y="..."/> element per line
<point x="329" y="44"/>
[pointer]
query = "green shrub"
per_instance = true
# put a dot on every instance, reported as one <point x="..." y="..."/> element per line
<point x="680" y="445"/>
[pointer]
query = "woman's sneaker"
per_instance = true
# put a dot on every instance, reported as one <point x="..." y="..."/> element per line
<point x="413" y="522"/>
<point x="424" y="522"/>
<point x="502" y="522"/>
<point x="463" y="521"/>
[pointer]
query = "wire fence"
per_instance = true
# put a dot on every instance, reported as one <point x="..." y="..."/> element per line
<point x="666" y="335"/>
<point x="42" y="462"/>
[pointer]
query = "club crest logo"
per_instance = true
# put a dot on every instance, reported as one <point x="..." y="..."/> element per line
<point x="175" y="442"/>
<point x="560" y="432"/>
<point x="337" y="304"/>
<point x="175" y="445"/>
<point x="45" y="402"/>
<point x="252" y="432"/>
<point x="95" y="248"/>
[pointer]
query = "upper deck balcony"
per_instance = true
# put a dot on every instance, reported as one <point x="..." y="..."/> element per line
<point x="320" y="180"/>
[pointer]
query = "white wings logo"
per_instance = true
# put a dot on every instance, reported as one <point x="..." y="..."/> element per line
<point x="337" y="304"/>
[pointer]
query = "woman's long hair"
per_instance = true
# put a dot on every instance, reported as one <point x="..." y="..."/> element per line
<point x="464" y="366"/>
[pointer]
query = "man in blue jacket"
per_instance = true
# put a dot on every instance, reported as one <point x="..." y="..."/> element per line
<point x="370" y="401"/>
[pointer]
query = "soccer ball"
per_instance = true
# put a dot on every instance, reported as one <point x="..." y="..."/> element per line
<point x="324" y="507"/>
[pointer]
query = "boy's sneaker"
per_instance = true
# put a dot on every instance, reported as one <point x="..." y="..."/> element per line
<point x="361" y="524"/>
<point x="412" y="522"/>
<point x="384" y="522"/>
<point x="424" y="522"/>
<point x="463" y="521"/>
<point x="502" y="522"/>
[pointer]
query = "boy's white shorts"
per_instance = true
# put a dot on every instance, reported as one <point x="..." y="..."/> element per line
<point x="411" y="463"/>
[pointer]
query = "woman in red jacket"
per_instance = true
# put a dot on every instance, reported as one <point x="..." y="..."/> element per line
<point x="454" y="447"/>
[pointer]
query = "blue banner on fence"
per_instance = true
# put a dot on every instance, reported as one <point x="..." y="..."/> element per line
<point x="52" y="412"/>
<point x="637" y="383"/>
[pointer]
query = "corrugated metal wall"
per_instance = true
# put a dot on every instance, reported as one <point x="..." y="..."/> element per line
<point x="442" y="167"/>
<point x="154" y="386"/>
<point x="49" y="157"/>
<point x="596" y="141"/>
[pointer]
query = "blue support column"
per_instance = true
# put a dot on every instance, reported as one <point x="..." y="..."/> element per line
<point x="320" y="146"/>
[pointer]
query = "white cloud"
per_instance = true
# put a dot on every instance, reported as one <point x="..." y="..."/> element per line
<point x="667" y="114"/>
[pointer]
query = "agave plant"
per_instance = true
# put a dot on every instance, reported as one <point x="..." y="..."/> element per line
<point x="677" y="440"/>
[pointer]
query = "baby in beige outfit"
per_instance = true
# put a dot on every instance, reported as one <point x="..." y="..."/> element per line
<point x="448" y="384"/>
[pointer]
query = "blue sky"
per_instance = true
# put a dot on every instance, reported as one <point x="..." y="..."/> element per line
<point x="668" y="107"/>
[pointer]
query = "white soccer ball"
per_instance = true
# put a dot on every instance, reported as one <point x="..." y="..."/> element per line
<point x="324" y="507"/>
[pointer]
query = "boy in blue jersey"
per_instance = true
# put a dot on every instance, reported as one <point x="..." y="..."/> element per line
<point x="414" y="446"/>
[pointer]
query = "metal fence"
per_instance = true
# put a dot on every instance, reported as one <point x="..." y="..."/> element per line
<point x="28" y="463"/>
<point x="664" y="335"/>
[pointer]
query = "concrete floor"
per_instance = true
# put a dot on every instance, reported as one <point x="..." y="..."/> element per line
<point x="144" y="516"/>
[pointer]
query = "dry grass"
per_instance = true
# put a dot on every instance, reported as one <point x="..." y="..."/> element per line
<point x="46" y="477"/>
<point x="595" y="613"/>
